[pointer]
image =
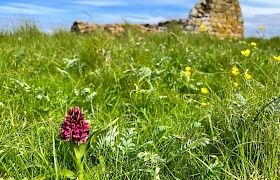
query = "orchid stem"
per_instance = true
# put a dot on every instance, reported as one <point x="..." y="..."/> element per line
<point x="80" y="168"/>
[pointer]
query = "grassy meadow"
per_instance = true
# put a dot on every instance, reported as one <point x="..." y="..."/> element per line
<point x="189" y="106"/>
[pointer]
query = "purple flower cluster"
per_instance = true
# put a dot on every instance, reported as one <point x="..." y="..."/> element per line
<point x="74" y="126"/>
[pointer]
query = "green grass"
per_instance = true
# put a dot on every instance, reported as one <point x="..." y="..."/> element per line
<point x="164" y="132"/>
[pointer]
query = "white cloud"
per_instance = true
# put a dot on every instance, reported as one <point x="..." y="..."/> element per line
<point x="250" y="11"/>
<point x="268" y="15"/>
<point x="269" y="3"/>
<point x="104" y="18"/>
<point x="24" y="8"/>
<point x="101" y="3"/>
<point x="144" y="19"/>
<point x="165" y="2"/>
<point x="134" y="3"/>
<point x="269" y="21"/>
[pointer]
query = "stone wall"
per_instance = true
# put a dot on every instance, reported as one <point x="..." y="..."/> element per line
<point x="222" y="18"/>
<point x="81" y="26"/>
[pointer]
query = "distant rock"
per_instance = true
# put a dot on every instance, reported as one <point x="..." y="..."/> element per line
<point x="82" y="26"/>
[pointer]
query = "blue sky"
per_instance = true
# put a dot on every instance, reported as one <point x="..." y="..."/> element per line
<point x="52" y="14"/>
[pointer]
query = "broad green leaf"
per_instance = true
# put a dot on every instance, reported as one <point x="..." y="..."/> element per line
<point x="83" y="150"/>
<point x="67" y="173"/>
<point x="40" y="178"/>
<point x="76" y="150"/>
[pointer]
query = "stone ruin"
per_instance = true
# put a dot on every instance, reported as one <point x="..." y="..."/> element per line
<point x="222" y="18"/>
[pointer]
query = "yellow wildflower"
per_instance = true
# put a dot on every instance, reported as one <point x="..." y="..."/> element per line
<point x="188" y="71"/>
<point x="234" y="71"/>
<point x="253" y="44"/>
<point x="247" y="76"/>
<point x="203" y="26"/>
<point x="204" y="103"/>
<point x="277" y="58"/>
<point x="204" y="90"/>
<point x="246" y="52"/>
<point x="261" y="28"/>
<point x="235" y="84"/>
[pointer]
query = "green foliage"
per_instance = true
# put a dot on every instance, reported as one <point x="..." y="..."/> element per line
<point x="167" y="128"/>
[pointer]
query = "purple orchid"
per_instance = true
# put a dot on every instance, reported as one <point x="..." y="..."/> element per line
<point x="74" y="126"/>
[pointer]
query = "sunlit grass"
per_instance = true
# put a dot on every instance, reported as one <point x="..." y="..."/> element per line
<point x="189" y="106"/>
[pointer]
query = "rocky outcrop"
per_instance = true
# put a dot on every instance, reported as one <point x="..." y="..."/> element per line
<point x="222" y="18"/>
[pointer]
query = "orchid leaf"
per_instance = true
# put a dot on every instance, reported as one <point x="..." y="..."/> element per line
<point x="83" y="150"/>
<point x="94" y="135"/>
<point x="67" y="173"/>
<point x="76" y="150"/>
